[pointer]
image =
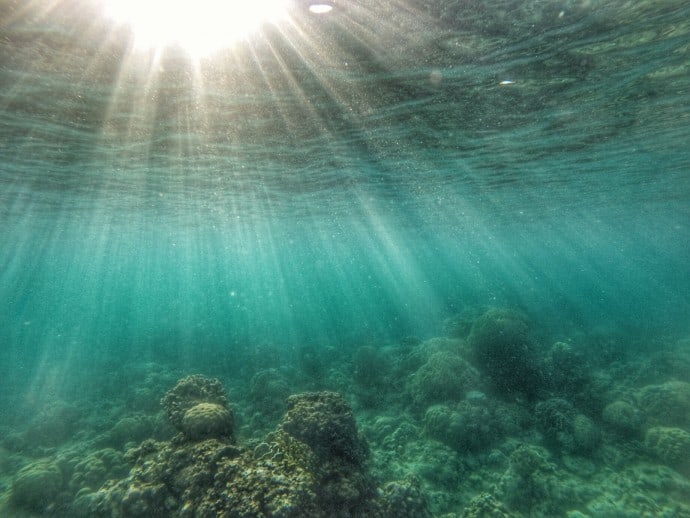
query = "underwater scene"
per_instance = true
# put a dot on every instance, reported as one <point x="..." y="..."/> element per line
<point x="345" y="258"/>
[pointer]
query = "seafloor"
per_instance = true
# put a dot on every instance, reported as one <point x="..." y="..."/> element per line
<point x="490" y="418"/>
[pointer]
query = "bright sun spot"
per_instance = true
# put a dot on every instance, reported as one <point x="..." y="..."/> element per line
<point x="199" y="26"/>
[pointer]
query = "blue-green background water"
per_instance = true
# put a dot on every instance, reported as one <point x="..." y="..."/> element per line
<point x="338" y="184"/>
<point x="565" y="193"/>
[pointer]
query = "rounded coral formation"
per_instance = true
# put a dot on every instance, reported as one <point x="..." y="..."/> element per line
<point x="473" y="425"/>
<point x="563" y="428"/>
<point x="622" y="417"/>
<point x="191" y="392"/>
<point x="444" y="377"/>
<point x="90" y="472"/>
<point x="528" y="482"/>
<point x="667" y="404"/>
<point x="36" y="485"/>
<point x="129" y="429"/>
<point x="501" y="347"/>
<point x="207" y="420"/>
<point x="555" y="420"/>
<point x="324" y="421"/>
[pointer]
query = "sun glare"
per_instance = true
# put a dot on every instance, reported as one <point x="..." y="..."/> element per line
<point x="199" y="26"/>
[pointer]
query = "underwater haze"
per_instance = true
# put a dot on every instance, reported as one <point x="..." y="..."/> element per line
<point x="453" y="234"/>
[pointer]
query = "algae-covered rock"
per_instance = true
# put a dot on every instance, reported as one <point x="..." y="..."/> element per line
<point x="671" y="446"/>
<point x="213" y="418"/>
<point x="36" y="485"/>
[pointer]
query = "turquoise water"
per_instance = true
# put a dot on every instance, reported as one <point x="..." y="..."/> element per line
<point x="318" y="199"/>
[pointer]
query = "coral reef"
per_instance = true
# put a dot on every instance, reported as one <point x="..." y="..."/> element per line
<point x="206" y="478"/>
<point x="132" y="429"/>
<point x="485" y="505"/>
<point x="667" y="404"/>
<point x="91" y="471"/>
<point x="324" y="421"/>
<point x="36" y="486"/>
<point x="404" y="499"/>
<point x="529" y="482"/>
<point x="198" y="407"/>
<point x="555" y="420"/>
<point x="444" y="377"/>
<point x="207" y="420"/>
<point x="501" y="348"/>
<point x="473" y="425"/>
<point x="586" y="435"/>
<point x="414" y="358"/>
<point x="671" y="446"/>
<point x="312" y="465"/>
<point x="564" y="429"/>
<point x="589" y="440"/>
<point x="623" y="418"/>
